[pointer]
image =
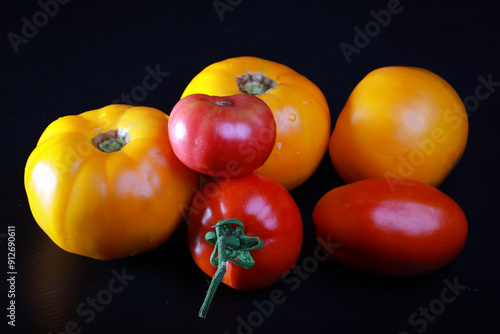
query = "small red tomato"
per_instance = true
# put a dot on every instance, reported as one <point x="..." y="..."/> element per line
<point x="222" y="136"/>
<point x="391" y="227"/>
<point x="271" y="231"/>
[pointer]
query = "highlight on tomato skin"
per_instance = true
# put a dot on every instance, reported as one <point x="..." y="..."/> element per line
<point x="391" y="227"/>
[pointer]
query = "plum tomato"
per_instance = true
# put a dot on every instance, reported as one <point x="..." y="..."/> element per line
<point x="391" y="227"/>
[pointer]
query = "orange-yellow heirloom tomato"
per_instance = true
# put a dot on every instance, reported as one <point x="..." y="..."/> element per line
<point x="300" y="110"/>
<point x="106" y="183"/>
<point x="400" y="122"/>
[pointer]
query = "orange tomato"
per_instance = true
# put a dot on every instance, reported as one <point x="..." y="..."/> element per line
<point x="300" y="110"/>
<point x="400" y="122"/>
<point x="106" y="184"/>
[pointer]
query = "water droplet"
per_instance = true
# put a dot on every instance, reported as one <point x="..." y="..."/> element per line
<point x="278" y="144"/>
<point x="292" y="117"/>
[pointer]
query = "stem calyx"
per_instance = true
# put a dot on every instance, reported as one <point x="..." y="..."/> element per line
<point x="255" y="84"/>
<point x="111" y="141"/>
<point x="230" y="244"/>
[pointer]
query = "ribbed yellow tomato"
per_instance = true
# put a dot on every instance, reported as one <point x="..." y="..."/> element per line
<point x="300" y="110"/>
<point x="106" y="183"/>
<point x="400" y="122"/>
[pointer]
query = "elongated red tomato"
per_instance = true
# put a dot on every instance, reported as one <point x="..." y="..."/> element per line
<point x="391" y="227"/>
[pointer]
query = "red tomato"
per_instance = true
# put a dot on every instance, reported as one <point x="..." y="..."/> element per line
<point x="222" y="136"/>
<point x="391" y="227"/>
<point x="267" y="211"/>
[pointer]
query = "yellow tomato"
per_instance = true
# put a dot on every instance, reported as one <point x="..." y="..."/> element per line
<point x="299" y="107"/>
<point x="400" y="122"/>
<point x="106" y="183"/>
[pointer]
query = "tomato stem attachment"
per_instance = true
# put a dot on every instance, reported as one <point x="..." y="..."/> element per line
<point x="111" y="145"/>
<point x="231" y="245"/>
<point x="111" y="141"/>
<point x="223" y="103"/>
<point x="255" y="84"/>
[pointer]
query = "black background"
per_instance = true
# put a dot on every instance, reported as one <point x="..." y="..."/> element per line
<point x="90" y="53"/>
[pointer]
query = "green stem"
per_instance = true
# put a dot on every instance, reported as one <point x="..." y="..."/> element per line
<point x="255" y="84"/>
<point x="214" y="284"/>
<point x="255" y="88"/>
<point x="231" y="245"/>
<point x="111" y="141"/>
<point x="111" y="145"/>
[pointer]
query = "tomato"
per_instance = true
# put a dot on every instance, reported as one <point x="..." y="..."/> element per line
<point x="300" y="110"/>
<point x="391" y="227"/>
<point x="106" y="183"/>
<point x="222" y="136"/>
<point x="266" y="210"/>
<point x="400" y="122"/>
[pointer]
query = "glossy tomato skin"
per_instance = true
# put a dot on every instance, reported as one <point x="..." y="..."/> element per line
<point x="299" y="107"/>
<point x="400" y="122"/>
<point x="108" y="205"/>
<point x="266" y="209"/>
<point x="222" y="136"/>
<point x="391" y="227"/>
